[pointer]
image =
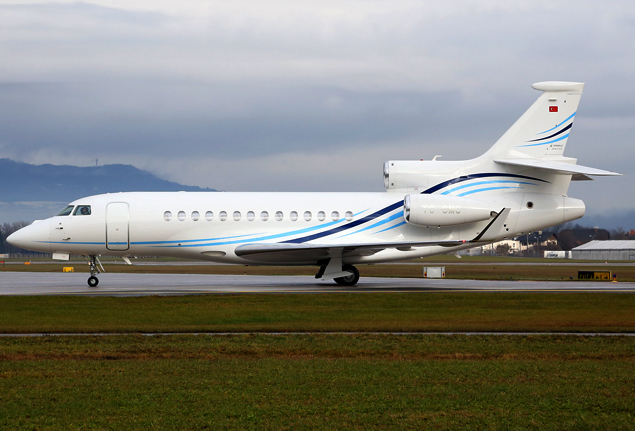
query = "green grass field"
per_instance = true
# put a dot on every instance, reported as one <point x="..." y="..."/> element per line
<point x="483" y="311"/>
<point x="383" y="382"/>
<point x="360" y="381"/>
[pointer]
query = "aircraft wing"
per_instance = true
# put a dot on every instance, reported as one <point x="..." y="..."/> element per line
<point x="311" y="253"/>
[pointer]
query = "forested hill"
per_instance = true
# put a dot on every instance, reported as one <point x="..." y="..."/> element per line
<point x="22" y="182"/>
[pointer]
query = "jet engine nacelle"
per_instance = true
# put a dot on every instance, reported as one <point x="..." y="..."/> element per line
<point x="435" y="210"/>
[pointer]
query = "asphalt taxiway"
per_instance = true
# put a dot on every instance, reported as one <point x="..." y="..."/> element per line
<point x="118" y="284"/>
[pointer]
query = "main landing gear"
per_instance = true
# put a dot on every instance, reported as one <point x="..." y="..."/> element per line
<point x="345" y="275"/>
<point x="93" y="261"/>
<point x="350" y="280"/>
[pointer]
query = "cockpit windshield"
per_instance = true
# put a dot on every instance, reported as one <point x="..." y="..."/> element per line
<point x="82" y="210"/>
<point x="66" y="211"/>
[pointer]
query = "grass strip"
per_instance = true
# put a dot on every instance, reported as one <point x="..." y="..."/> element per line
<point x="500" y="311"/>
<point x="317" y="382"/>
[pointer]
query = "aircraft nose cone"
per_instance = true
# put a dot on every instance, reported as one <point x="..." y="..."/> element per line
<point x="17" y="238"/>
<point x="32" y="237"/>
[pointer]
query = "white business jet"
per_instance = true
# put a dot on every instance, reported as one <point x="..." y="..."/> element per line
<point x="430" y="207"/>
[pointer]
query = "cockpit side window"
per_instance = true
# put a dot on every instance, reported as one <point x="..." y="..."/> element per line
<point x="66" y="211"/>
<point x="82" y="210"/>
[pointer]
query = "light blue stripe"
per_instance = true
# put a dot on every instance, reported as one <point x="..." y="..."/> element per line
<point x="485" y="190"/>
<point x="213" y="240"/>
<point x="263" y="238"/>
<point x="71" y="242"/>
<point x="545" y="143"/>
<point x="190" y="240"/>
<point x="483" y="182"/>
<point x="391" y="218"/>
<point x="558" y="125"/>
<point x="392" y="227"/>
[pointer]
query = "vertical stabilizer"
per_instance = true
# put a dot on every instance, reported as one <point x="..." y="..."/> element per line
<point x="543" y="130"/>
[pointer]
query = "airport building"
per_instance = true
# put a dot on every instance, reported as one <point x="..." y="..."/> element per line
<point x="605" y="250"/>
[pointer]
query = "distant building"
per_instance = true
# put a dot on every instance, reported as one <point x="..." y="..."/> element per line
<point x="605" y="250"/>
<point x="570" y="238"/>
<point x="490" y="249"/>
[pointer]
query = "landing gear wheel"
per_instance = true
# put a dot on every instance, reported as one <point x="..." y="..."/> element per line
<point x="93" y="261"/>
<point x="349" y="280"/>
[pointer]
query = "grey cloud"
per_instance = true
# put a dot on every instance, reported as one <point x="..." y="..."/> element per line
<point x="264" y="88"/>
<point x="130" y="118"/>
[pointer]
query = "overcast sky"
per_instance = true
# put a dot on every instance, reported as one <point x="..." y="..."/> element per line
<point x="309" y="96"/>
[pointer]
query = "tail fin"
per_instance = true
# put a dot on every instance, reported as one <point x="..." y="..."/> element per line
<point x="543" y="130"/>
<point x="538" y="139"/>
<point x="532" y="148"/>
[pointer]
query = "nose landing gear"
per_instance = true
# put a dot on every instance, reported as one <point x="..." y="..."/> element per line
<point x="93" y="261"/>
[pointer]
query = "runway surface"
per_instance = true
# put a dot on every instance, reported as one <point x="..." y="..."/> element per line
<point x="113" y="284"/>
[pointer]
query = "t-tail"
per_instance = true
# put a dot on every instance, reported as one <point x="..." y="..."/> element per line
<point x="543" y="130"/>
<point x="538" y="139"/>
<point x="524" y="171"/>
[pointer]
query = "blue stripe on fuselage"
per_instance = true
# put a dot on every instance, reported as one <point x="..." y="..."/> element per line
<point x="474" y="176"/>
<point x="345" y="227"/>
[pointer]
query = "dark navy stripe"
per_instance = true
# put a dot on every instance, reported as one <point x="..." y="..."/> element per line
<point x="555" y="134"/>
<point x="474" y="176"/>
<point x="348" y="226"/>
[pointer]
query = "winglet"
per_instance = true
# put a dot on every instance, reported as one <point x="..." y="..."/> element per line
<point x="494" y="227"/>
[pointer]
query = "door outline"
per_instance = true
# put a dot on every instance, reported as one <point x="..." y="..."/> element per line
<point x="118" y="226"/>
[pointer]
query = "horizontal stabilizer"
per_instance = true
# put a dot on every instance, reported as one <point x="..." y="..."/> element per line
<point x="558" y="167"/>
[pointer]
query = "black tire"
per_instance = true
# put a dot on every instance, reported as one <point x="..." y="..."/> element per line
<point x="350" y="280"/>
<point x="93" y="281"/>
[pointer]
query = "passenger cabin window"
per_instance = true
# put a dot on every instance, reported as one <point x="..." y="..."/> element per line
<point x="264" y="216"/>
<point x="181" y="215"/>
<point x="195" y="215"/>
<point x="167" y="216"/>
<point x="307" y="216"/>
<point x="251" y="216"/>
<point x="236" y="215"/>
<point x="335" y="216"/>
<point x="222" y="215"/>
<point x="66" y="211"/>
<point x="293" y="215"/>
<point x="209" y="216"/>
<point x="82" y="210"/>
<point x="279" y="215"/>
<point x="321" y="216"/>
<point x="349" y="216"/>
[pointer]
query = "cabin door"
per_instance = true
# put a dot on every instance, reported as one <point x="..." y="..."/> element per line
<point x="117" y="222"/>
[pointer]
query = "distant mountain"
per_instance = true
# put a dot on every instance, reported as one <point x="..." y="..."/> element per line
<point x="22" y="182"/>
